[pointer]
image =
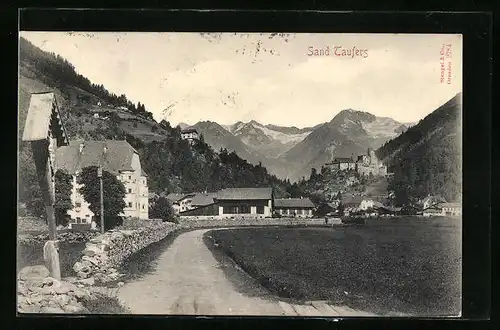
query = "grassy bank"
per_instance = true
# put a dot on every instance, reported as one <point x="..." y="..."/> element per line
<point x="405" y="265"/>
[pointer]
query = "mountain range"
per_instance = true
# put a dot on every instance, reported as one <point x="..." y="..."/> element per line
<point x="291" y="152"/>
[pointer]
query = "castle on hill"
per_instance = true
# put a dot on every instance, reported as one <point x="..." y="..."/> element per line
<point x="364" y="165"/>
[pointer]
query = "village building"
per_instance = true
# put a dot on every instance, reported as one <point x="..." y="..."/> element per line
<point x="245" y="202"/>
<point x="451" y="209"/>
<point x="341" y="164"/>
<point x="299" y="207"/>
<point x="190" y="134"/>
<point x="203" y="204"/>
<point x="370" y="164"/>
<point x="116" y="157"/>
<point x="351" y="203"/>
<point x="180" y="202"/>
<point x="432" y="201"/>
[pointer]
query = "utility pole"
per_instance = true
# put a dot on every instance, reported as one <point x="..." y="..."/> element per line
<point x="99" y="174"/>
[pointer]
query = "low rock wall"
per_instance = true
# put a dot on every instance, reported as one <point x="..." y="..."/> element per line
<point x="197" y="222"/>
<point x="104" y="253"/>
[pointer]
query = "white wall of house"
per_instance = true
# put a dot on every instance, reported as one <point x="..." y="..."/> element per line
<point x="366" y="204"/>
<point x="301" y="213"/>
<point x="253" y="211"/>
<point x="80" y="213"/>
<point x="136" y="196"/>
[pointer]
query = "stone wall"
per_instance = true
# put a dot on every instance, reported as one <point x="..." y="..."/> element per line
<point x="104" y="253"/>
<point x="197" y="222"/>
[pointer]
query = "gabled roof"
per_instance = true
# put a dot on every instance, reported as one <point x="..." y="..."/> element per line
<point x="173" y="197"/>
<point x="117" y="158"/>
<point x="294" y="202"/>
<point x="203" y="199"/>
<point x="244" y="193"/>
<point x="189" y="130"/>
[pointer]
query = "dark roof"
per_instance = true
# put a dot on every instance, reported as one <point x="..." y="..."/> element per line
<point x="189" y="130"/>
<point x="173" y="197"/>
<point x="294" y="202"/>
<point x="118" y="156"/>
<point x="244" y="193"/>
<point x="343" y="160"/>
<point x="203" y="199"/>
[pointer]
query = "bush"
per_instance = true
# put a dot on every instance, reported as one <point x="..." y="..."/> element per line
<point x="162" y="209"/>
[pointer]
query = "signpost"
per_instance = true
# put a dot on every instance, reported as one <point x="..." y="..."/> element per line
<point x="45" y="130"/>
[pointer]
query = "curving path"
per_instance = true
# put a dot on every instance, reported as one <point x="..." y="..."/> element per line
<point x="188" y="281"/>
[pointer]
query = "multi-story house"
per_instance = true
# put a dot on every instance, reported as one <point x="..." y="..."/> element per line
<point x="116" y="157"/>
<point x="190" y="134"/>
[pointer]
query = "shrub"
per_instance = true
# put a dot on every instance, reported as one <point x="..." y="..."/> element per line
<point x="162" y="209"/>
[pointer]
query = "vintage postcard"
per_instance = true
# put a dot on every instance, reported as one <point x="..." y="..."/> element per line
<point x="240" y="174"/>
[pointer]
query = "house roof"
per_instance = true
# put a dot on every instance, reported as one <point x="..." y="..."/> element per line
<point x="203" y="199"/>
<point x="432" y="210"/>
<point x="294" y="202"/>
<point x="117" y="158"/>
<point x="189" y="130"/>
<point x="451" y="205"/>
<point x="433" y="199"/>
<point x="244" y="193"/>
<point x="173" y="197"/>
<point x="343" y="160"/>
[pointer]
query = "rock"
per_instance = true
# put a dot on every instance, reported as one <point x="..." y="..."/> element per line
<point x="92" y="260"/>
<point x="62" y="300"/>
<point x="92" y="250"/>
<point x="52" y="310"/>
<point x="36" y="299"/>
<point x="22" y="290"/>
<point x="74" y="308"/>
<point x="82" y="275"/>
<point x="65" y="288"/>
<point x="51" y="282"/>
<point x="33" y="273"/>
<point x="81" y="294"/>
<point x="79" y="266"/>
<point x="23" y="308"/>
<point x="47" y="290"/>
<point x="88" y="281"/>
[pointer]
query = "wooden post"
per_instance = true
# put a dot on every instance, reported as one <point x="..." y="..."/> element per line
<point x="99" y="174"/>
<point x="40" y="151"/>
<point x="45" y="130"/>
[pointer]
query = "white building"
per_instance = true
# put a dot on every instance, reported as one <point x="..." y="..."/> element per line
<point x="190" y="134"/>
<point x="117" y="157"/>
<point x="180" y="202"/>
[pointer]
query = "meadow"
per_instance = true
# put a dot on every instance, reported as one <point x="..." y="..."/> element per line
<point x="406" y="265"/>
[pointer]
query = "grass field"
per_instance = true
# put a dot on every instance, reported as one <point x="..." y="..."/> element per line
<point x="402" y="265"/>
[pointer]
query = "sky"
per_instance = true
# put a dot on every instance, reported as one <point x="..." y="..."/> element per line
<point x="283" y="79"/>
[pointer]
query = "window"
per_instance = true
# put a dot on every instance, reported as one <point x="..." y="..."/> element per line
<point x="143" y="206"/>
<point x="129" y="204"/>
<point x="78" y="220"/>
<point x="245" y="209"/>
<point x="78" y="204"/>
<point x="130" y="177"/>
<point x="129" y="190"/>
<point x="260" y="209"/>
<point x="87" y="215"/>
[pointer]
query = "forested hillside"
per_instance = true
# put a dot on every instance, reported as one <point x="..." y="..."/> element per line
<point x="91" y="112"/>
<point x="426" y="159"/>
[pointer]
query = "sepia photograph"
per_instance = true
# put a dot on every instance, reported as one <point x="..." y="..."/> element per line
<point x="250" y="174"/>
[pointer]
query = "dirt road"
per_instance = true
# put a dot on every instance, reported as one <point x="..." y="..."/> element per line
<point x="188" y="280"/>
